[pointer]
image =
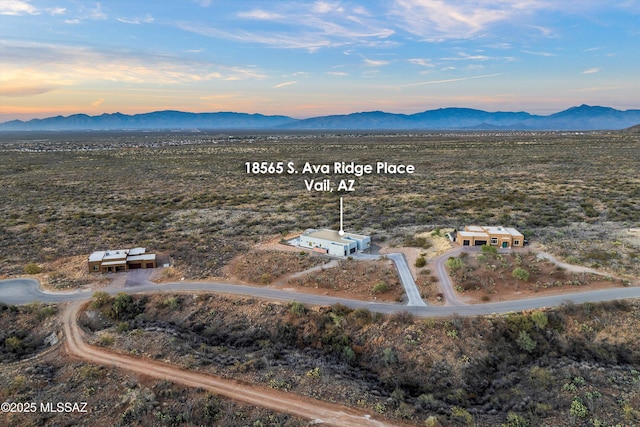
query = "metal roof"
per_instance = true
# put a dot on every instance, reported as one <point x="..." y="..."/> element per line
<point x="115" y="254"/>
<point x="96" y="256"/>
<point x="334" y="236"/>
<point x="145" y="257"/>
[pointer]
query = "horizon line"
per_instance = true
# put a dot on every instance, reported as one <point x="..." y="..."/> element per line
<point x="305" y="118"/>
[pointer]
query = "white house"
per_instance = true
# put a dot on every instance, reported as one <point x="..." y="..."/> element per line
<point x="332" y="243"/>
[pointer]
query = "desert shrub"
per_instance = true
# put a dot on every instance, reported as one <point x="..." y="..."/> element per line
<point x="578" y="409"/>
<point x="106" y="340"/>
<point x="542" y="378"/>
<point x="340" y="309"/>
<point x="454" y="263"/>
<point x="297" y="308"/>
<point x="89" y="372"/>
<point x="423" y="243"/>
<point x="540" y="319"/>
<point x="347" y="354"/>
<point x="172" y="302"/>
<point x="461" y="415"/>
<point x="265" y="278"/>
<point x="402" y="318"/>
<point x="488" y="250"/>
<point x="519" y="322"/>
<point x="32" y="268"/>
<point x="123" y="327"/>
<point x="46" y="311"/>
<point x="525" y="342"/>
<point x="421" y="262"/>
<point x="18" y="384"/>
<point x="389" y="357"/>
<point x="380" y="288"/>
<point x="515" y="420"/>
<point x="520" y="274"/>
<point x="13" y="344"/>
<point x="124" y="307"/>
<point x="417" y="242"/>
<point x="100" y="299"/>
<point x="212" y="408"/>
<point x="362" y="315"/>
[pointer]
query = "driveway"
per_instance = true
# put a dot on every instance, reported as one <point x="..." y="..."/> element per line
<point x="404" y="273"/>
<point x="138" y="277"/>
<point x="446" y="286"/>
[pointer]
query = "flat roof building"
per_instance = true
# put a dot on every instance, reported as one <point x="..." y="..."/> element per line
<point x="502" y="237"/>
<point x="113" y="261"/>
<point x="332" y="243"/>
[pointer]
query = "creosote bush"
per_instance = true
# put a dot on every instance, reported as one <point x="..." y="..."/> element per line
<point x="32" y="268"/>
<point x="454" y="263"/>
<point x="297" y="308"/>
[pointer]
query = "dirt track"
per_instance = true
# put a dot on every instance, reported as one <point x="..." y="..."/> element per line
<point x="318" y="411"/>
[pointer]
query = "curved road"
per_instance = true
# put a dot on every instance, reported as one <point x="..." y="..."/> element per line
<point x="445" y="280"/>
<point x="24" y="291"/>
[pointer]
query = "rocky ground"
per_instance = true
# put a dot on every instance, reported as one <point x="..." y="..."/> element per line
<point x="575" y="365"/>
<point x="118" y="398"/>
<point x="570" y="366"/>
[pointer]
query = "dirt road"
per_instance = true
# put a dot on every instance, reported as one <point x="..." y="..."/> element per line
<point x="318" y="411"/>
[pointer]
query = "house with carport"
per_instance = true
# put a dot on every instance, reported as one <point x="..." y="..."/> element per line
<point x="114" y="261"/>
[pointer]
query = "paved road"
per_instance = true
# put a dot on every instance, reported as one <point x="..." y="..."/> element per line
<point x="24" y="291"/>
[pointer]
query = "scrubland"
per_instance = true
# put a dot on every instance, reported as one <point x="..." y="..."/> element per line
<point x="189" y="195"/>
<point x="573" y="365"/>
<point x="486" y="276"/>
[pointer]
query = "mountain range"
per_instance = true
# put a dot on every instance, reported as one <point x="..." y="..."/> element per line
<point x="584" y="117"/>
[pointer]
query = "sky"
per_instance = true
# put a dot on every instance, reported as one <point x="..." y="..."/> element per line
<point x="311" y="58"/>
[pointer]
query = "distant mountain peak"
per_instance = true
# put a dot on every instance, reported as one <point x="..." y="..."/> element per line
<point x="583" y="117"/>
<point x="590" y="108"/>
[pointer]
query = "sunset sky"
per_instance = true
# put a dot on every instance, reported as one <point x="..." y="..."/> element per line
<point x="310" y="58"/>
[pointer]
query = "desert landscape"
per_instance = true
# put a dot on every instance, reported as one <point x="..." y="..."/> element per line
<point x="189" y="198"/>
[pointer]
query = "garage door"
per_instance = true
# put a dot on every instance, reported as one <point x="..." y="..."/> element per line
<point x="135" y="265"/>
<point x="480" y="242"/>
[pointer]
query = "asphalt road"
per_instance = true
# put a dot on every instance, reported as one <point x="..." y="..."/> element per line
<point x="24" y="291"/>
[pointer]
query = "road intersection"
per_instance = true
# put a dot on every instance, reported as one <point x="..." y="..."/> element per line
<point x="25" y="291"/>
